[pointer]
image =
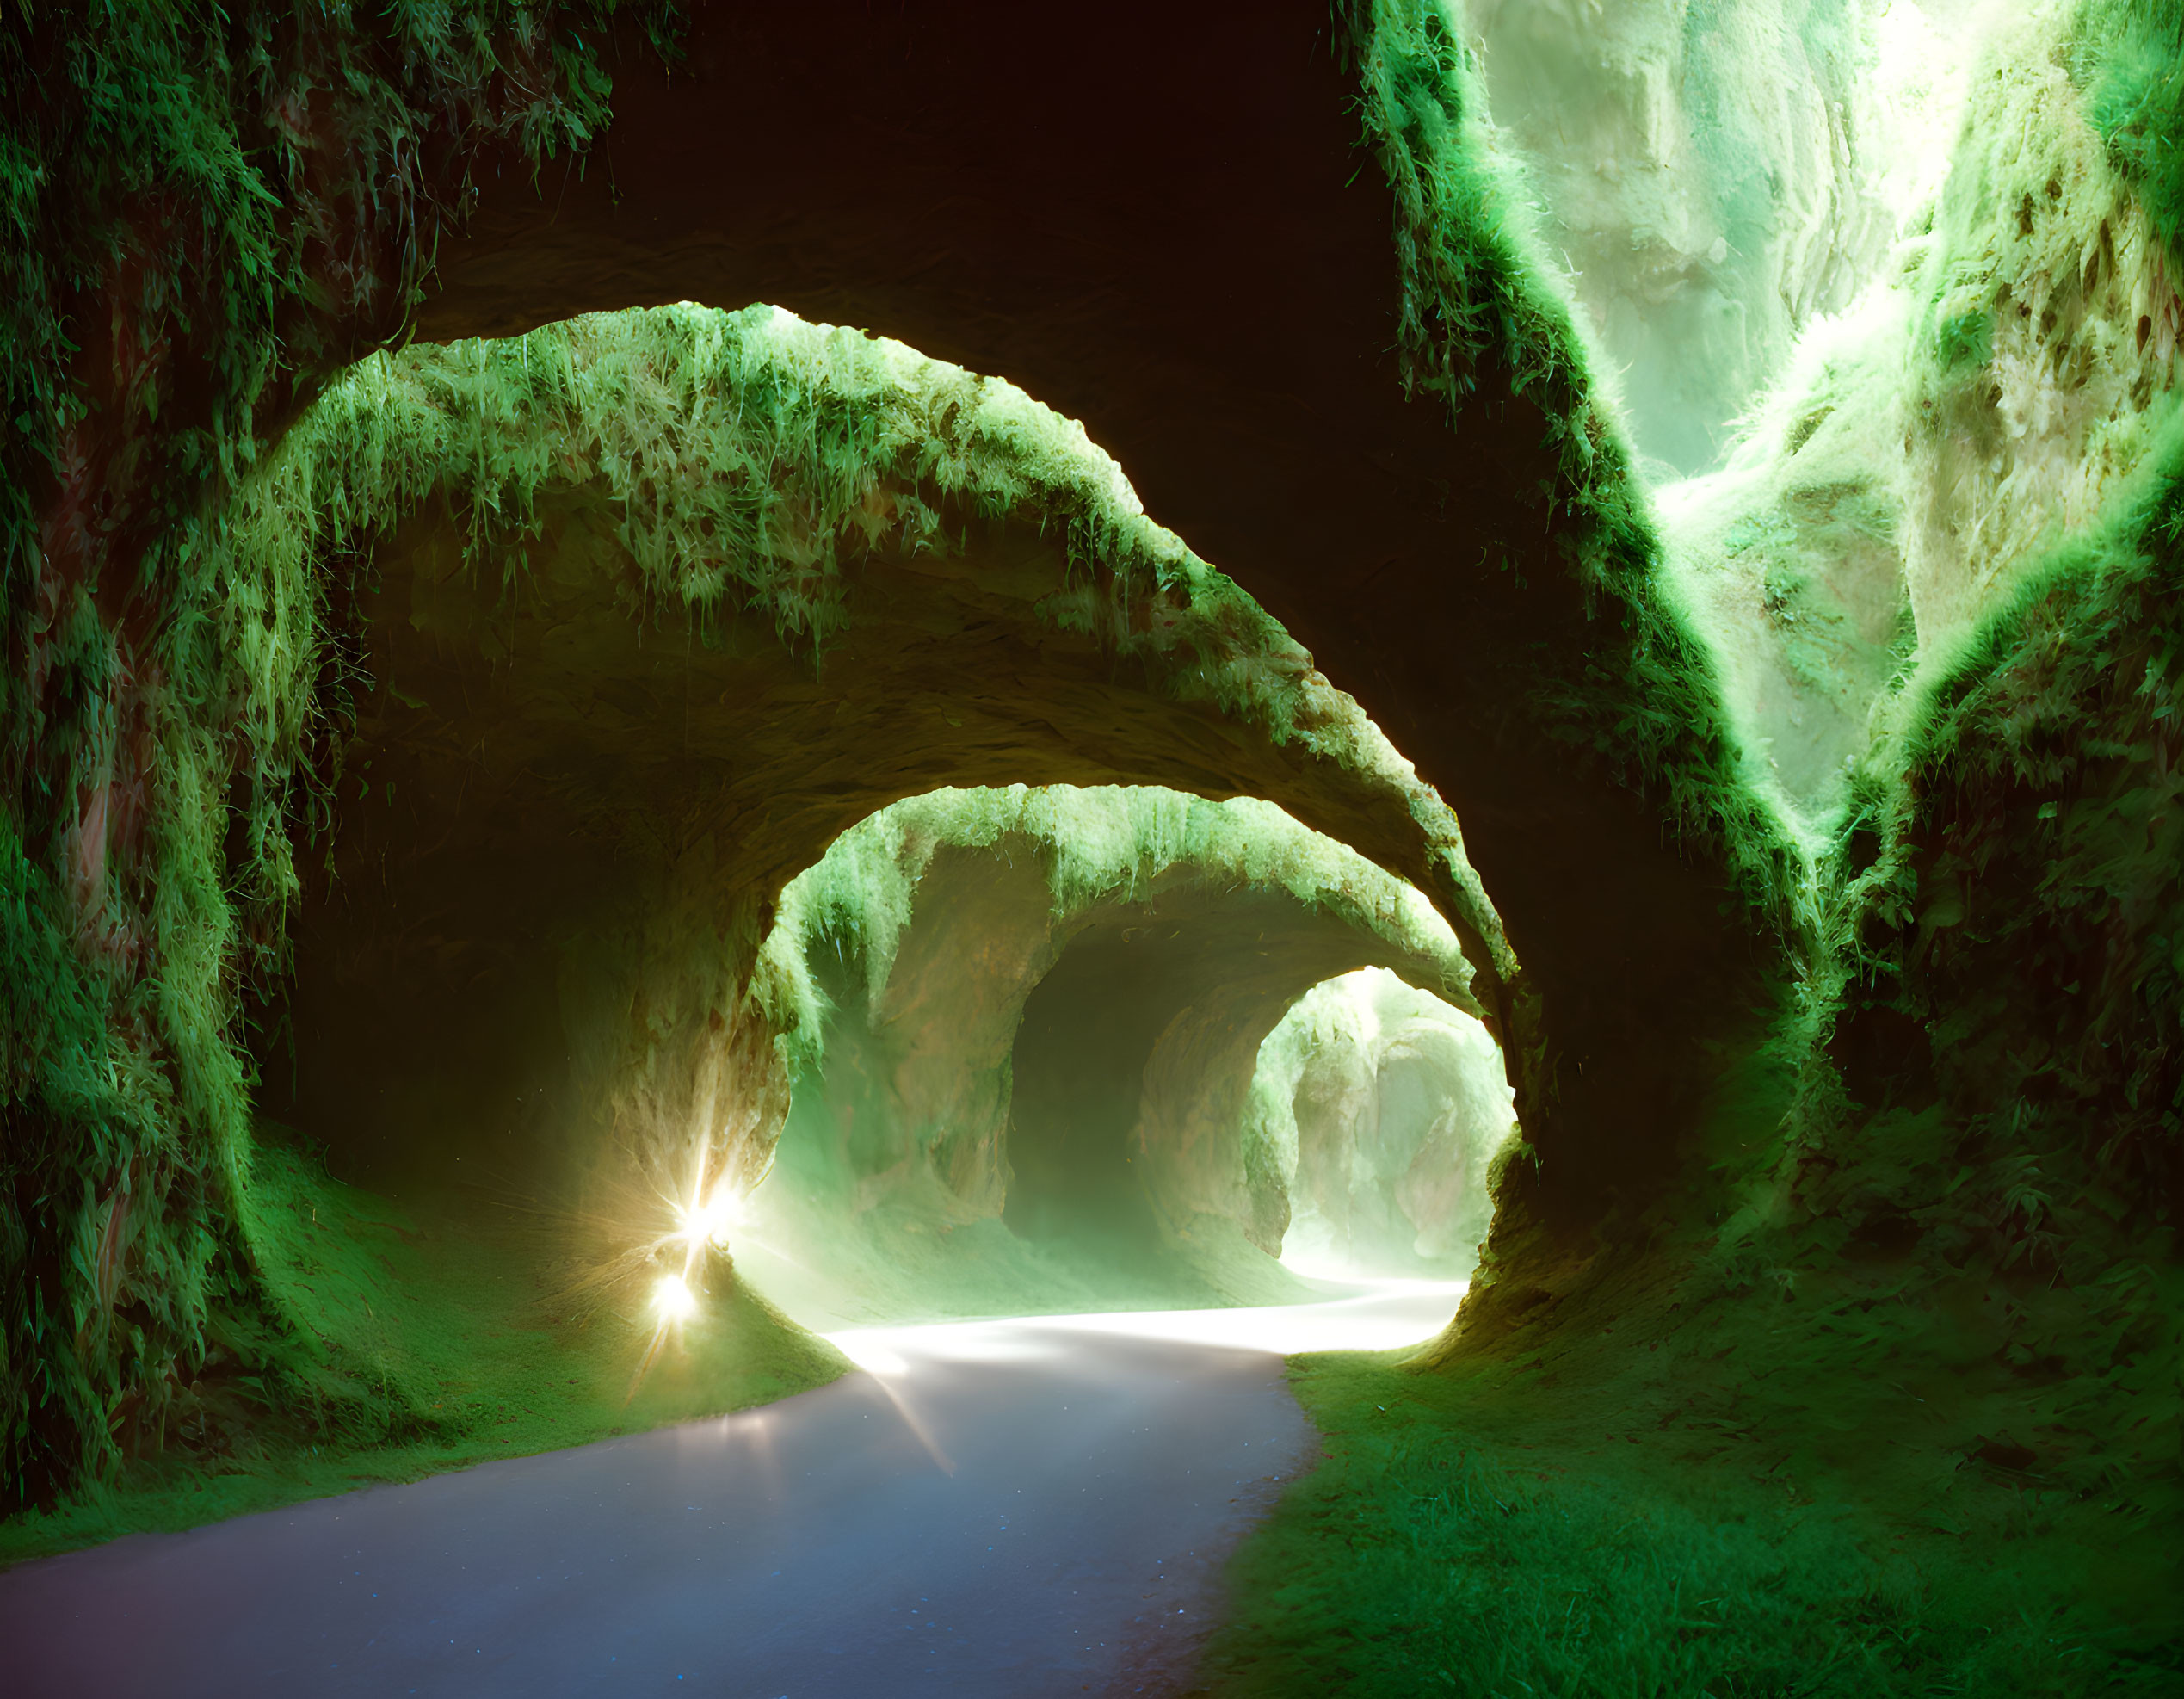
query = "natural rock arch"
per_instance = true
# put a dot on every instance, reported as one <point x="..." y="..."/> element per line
<point x="657" y="606"/>
<point x="1254" y="353"/>
<point x="1280" y="390"/>
<point x="1042" y="1010"/>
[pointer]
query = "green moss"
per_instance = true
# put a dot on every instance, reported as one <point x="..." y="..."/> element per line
<point x="1444" y="1546"/>
<point x="1927" y="1289"/>
<point x="2024" y="907"/>
<point x="2133" y="53"/>
<point x="171" y="177"/>
<point x="434" y="1340"/>
<point x="1095" y="843"/>
<point x="210" y="149"/>
<point x="751" y="456"/>
<point x="1476" y="307"/>
<point x="1965" y="339"/>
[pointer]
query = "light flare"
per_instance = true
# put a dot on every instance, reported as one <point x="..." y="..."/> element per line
<point x="704" y="1223"/>
<point x="674" y="1298"/>
<point x="714" y="1219"/>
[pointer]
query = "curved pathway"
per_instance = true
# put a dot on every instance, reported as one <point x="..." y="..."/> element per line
<point x="1012" y="1508"/>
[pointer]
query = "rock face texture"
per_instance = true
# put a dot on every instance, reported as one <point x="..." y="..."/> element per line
<point x="1714" y="182"/>
<point x="570" y="823"/>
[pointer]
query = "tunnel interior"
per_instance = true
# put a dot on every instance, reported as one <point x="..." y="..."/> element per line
<point x="1387" y="1109"/>
<point x="1033" y="1085"/>
<point x="1075" y="1100"/>
<point x="582" y="857"/>
<point x="540" y="995"/>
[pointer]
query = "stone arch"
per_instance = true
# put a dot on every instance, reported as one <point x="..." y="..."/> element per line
<point x="1237" y="339"/>
<point x="646" y="611"/>
<point x="1028" y="1023"/>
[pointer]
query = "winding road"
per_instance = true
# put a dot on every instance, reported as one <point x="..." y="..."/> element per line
<point x="1008" y="1508"/>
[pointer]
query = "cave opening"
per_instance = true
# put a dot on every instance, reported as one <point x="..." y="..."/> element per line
<point x="1387" y="1109"/>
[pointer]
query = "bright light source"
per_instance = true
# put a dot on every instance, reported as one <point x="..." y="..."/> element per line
<point x="1363" y="1315"/>
<point x="674" y="1298"/>
<point x="714" y="1217"/>
<point x="862" y="1346"/>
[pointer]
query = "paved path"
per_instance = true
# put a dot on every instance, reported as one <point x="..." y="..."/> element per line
<point x="1015" y="1509"/>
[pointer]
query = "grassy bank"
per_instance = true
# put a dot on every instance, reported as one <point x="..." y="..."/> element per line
<point x="444" y="1336"/>
<point x="1451" y="1542"/>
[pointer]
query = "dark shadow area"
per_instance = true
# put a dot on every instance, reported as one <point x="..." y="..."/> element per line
<point x="422" y="1039"/>
<point x="1079" y="1074"/>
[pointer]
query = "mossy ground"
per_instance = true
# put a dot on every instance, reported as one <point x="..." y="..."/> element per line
<point x="442" y="1339"/>
<point x="1456" y="1539"/>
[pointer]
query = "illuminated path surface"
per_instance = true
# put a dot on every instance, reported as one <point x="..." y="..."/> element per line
<point x="1009" y="1508"/>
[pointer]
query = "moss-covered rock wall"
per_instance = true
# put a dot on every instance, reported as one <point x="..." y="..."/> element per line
<point x="1946" y="1214"/>
<point x="208" y="210"/>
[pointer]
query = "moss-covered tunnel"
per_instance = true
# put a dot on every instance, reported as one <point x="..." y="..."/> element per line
<point x="562" y="820"/>
<point x="563" y="634"/>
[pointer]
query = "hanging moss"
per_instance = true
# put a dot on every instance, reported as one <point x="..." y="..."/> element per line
<point x="751" y="460"/>
<point x="1997" y="989"/>
<point x="1096" y="843"/>
<point x="256" y="195"/>
<point x="205" y="209"/>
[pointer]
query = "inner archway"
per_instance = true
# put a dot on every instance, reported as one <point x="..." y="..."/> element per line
<point x="1031" y="1024"/>
<point x="1389" y="1112"/>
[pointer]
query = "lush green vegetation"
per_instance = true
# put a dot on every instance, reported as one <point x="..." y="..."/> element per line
<point x="1899" y="1354"/>
<point x="205" y="210"/>
<point x="1476" y="307"/>
<point x="1453" y="1541"/>
<point x="2132" y="53"/>
<point x="435" y="1333"/>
